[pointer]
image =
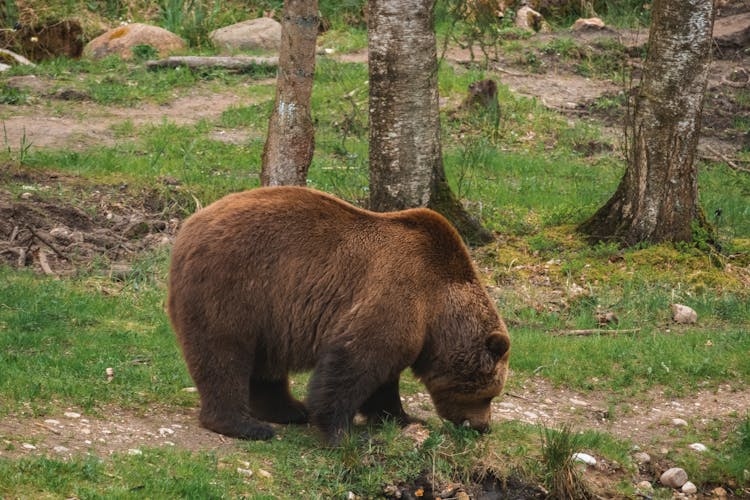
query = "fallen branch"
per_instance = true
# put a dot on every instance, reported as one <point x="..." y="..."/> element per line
<point x="44" y="240"/>
<point x="729" y="162"/>
<point x="42" y="255"/>
<point x="16" y="57"/>
<point x="237" y="63"/>
<point x="596" y="331"/>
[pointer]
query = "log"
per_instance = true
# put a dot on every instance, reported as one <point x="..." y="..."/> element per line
<point x="235" y="63"/>
<point x="597" y="331"/>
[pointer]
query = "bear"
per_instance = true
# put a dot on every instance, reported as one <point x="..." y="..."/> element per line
<point x="278" y="280"/>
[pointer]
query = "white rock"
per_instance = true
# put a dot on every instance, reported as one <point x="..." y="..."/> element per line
<point x="689" y="488"/>
<point x="578" y="402"/>
<point x="642" y="458"/>
<point x="52" y="421"/>
<point x="678" y="422"/>
<point x="683" y="314"/>
<point x="165" y="431"/>
<point x="72" y="414"/>
<point x="674" y="477"/>
<point x="644" y="486"/>
<point x="530" y="415"/>
<point x="134" y="451"/>
<point x="264" y="473"/>
<point x="244" y="472"/>
<point x="28" y="446"/>
<point x="584" y="458"/>
<point x="700" y="447"/>
<point x="61" y="449"/>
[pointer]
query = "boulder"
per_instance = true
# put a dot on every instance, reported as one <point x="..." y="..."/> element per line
<point x="262" y="33"/>
<point x="588" y="24"/>
<point x="529" y="19"/>
<point x="120" y="41"/>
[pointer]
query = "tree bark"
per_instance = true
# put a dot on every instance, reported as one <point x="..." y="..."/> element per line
<point x="406" y="164"/>
<point x="289" y="147"/>
<point x="657" y="199"/>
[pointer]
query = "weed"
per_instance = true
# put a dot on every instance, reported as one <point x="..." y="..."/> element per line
<point x="561" y="473"/>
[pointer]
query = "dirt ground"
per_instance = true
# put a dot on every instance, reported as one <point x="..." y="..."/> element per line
<point x="55" y="238"/>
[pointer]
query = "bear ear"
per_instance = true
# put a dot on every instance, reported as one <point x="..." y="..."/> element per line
<point x="498" y="344"/>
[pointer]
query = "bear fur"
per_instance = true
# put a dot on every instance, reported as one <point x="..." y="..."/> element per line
<point x="278" y="280"/>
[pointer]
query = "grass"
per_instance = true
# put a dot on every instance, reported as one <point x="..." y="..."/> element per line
<point x="529" y="175"/>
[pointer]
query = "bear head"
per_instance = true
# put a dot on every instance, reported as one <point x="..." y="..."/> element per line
<point x="465" y="360"/>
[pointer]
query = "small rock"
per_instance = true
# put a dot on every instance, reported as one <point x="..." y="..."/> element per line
<point x="529" y="19"/>
<point x="699" y="447"/>
<point x="28" y="446"/>
<point x="644" y="486"/>
<point x="689" y="488"/>
<point x="52" y="421"/>
<point x="134" y="451"/>
<point x="264" y="473"/>
<point x="72" y="414"/>
<point x="584" y="458"/>
<point x="683" y="314"/>
<point x="678" y="422"/>
<point x="642" y="458"/>
<point x="61" y="449"/>
<point x="351" y="496"/>
<point x="26" y="196"/>
<point x="578" y="402"/>
<point x="674" y="477"/>
<point x="110" y="372"/>
<point x="244" y="472"/>
<point x="530" y="415"/>
<point x="719" y="492"/>
<point x="165" y="431"/>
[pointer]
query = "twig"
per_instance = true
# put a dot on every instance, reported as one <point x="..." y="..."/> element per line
<point x="728" y="161"/>
<point x="49" y="428"/>
<point x="13" y="234"/>
<point x="597" y="331"/>
<point x="44" y="240"/>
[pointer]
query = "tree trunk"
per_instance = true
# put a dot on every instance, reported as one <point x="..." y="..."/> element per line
<point x="406" y="165"/>
<point x="289" y="147"/>
<point x="657" y="199"/>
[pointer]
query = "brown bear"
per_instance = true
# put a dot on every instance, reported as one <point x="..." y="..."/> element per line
<point x="284" y="279"/>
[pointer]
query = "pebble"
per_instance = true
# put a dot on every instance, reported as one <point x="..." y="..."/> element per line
<point x="264" y="473"/>
<point x="674" y="477"/>
<point x="719" y="492"/>
<point x="530" y="415"/>
<point x="689" y="488"/>
<point x="165" y="431"/>
<point x="28" y="446"/>
<point x="642" y="458"/>
<point x="699" y="447"/>
<point x="645" y="486"/>
<point x="678" y="422"/>
<point x="244" y="472"/>
<point x="585" y="458"/>
<point x="578" y="402"/>
<point x="72" y="414"/>
<point x="134" y="451"/>
<point x="61" y="449"/>
<point x="52" y="421"/>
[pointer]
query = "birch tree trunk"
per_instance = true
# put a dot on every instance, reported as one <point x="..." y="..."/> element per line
<point x="406" y="164"/>
<point x="657" y="199"/>
<point x="289" y="146"/>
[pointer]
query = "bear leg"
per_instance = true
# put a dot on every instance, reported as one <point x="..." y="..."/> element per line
<point x="221" y="372"/>
<point x="270" y="400"/>
<point x="385" y="404"/>
<point x="338" y="388"/>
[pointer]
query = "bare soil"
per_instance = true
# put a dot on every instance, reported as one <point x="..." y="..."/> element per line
<point x="57" y="236"/>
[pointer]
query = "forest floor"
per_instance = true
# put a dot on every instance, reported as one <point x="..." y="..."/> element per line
<point x="647" y="419"/>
